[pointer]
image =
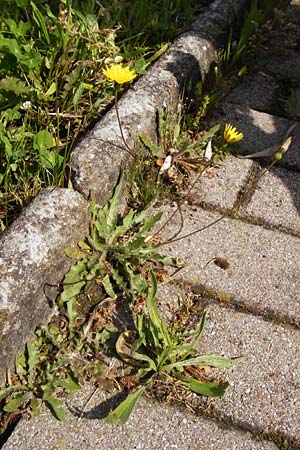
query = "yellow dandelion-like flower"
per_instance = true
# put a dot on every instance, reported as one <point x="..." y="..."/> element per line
<point x="119" y="73"/>
<point x="231" y="134"/>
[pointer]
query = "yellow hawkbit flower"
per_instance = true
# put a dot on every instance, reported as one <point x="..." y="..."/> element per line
<point x="231" y="134"/>
<point x="119" y="73"/>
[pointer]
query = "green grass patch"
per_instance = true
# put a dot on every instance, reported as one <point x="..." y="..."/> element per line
<point x="52" y="87"/>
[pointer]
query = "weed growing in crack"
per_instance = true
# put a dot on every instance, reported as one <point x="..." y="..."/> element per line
<point x="159" y="353"/>
<point x="116" y="261"/>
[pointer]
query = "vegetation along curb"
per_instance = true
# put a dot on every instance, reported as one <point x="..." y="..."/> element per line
<point x="32" y="260"/>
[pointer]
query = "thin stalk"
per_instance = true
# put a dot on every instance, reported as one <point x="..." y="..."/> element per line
<point x="120" y="126"/>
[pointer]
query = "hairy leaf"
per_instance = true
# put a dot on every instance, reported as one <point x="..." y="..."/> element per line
<point x="122" y="412"/>
<point x="18" y="401"/>
<point x="209" y="389"/>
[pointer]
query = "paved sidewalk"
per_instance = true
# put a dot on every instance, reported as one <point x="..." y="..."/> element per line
<point x="253" y="305"/>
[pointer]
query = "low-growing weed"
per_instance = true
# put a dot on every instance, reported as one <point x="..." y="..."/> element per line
<point x="116" y="261"/>
<point x="157" y="352"/>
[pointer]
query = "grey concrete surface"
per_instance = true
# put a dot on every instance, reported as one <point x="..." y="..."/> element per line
<point x="264" y="392"/>
<point x="32" y="258"/>
<point x="257" y="92"/>
<point x="152" y="426"/>
<point x="264" y="269"/>
<point x="284" y="63"/>
<point x="276" y="200"/>
<point x="220" y="187"/>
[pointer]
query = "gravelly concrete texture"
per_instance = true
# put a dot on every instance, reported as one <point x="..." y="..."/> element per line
<point x="263" y="273"/>
<point x="256" y="92"/>
<point x="265" y="389"/>
<point x="151" y="427"/>
<point x="276" y="200"/>
<point x="220" y="187"/>
<point x="31" y="259"/>
<point x="284" y="63"/>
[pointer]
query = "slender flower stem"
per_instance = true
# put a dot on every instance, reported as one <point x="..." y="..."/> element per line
<point x="128" y="149"/>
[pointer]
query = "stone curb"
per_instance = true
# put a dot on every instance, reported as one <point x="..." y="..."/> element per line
<point x="32" y="255"/>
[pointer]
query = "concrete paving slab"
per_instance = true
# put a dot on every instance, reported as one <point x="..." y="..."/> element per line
<point x="284" y="63"/>
<point x="261" y="131"/>
<point x="256" y="92"/>
<point x="264" y="392"/>
<point x="220" y="187"/>
<point x="264" y="264"/>
<point x="276" y="200"/>
<point x="151" y="426"/>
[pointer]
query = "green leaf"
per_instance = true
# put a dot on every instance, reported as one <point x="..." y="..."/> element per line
<point x="154" y="149"/>
<point x="172" y="353"/>
<point x="135" y="245"/>
<point x="120" y="281"/>
<point x="201" y="330"/>
<point x="68" y="384"/>
<point x="32" y="362"/>
<point x="73" y="282"/>
<point x="83" y="245"/>
<point x="56" y="406"/>
<point x="210" y="133"/>
<point x="78" y="94"/>
<point x="127" y="223"/>
<point x="39" y="19"/>
<point x="42" y="141"/>
<point x="35" y="406"/>
<point x="157" y="326"/>
<point x="165" y="260"/>
<point x="136" y="280"/>
<point x="6" y="391"/>
<point x="157" y="54"/>
<point x="204" y="388"/>
<point x="113" y="203"/>
<point x="140" y="66"/>
<point x="74" y="253"/>
<point x="122" y="412"/>
<point x="216" y="361"/>
<point x="126" y="357"/>
<point x="17" y="401"/>
<point x="12" y="45"/>
<point x="13" y="84"/>
<point x="21" y="364"/>
<point x="106" y="283"/>
<point x="150" y="222"/>
<point x="51" y="90"/>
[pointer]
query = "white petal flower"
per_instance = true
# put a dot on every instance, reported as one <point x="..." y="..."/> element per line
<point x="166" y="165"/>
<point x="208" y="151"/>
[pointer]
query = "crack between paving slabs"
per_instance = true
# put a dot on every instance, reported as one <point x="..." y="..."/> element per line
<point x="209" y="296"/>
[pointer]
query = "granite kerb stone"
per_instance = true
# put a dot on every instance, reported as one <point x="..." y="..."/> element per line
<point x="32" y="248"/>
<point x="32" y="263"/>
